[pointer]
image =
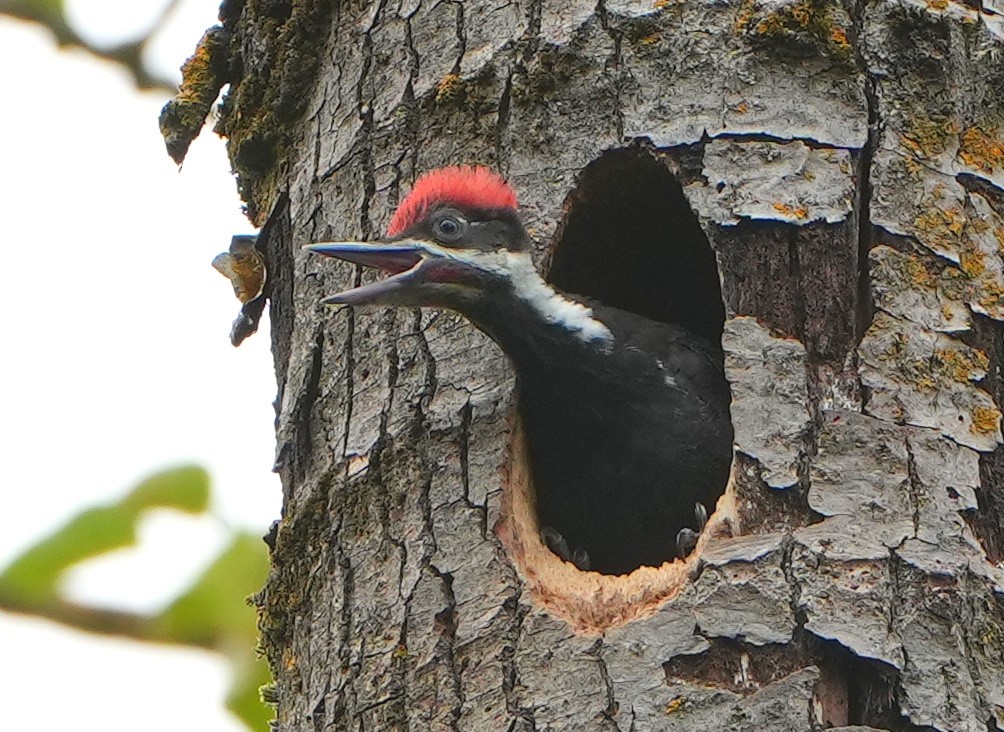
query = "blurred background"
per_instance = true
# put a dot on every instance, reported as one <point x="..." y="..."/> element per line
<point x="116" y="366"/>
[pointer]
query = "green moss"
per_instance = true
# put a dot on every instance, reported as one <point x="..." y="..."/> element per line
<point x="202" y="77"/>
<point x="272" y="90"/>
<point x="268" y="90"/>
<point x="551" y="71"/>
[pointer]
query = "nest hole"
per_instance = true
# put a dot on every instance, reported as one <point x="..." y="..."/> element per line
<point x="629" y="240"/>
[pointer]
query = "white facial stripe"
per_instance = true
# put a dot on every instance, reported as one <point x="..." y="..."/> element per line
<point x="554" y="308"/>
<point x="529" y="287"/>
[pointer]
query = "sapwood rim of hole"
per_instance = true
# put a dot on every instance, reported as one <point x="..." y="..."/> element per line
<point x="593" y="603"/>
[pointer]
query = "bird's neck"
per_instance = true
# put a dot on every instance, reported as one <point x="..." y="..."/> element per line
<point x="533" y="322"/>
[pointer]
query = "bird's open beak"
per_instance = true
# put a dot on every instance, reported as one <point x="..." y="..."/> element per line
<point x="409" y="263"/>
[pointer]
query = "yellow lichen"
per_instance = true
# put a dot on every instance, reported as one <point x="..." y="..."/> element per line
<point x="956" y="221"/>
<point x="979" y="226"/>
<point x="945" y="366"/>
<point x="675" y="704"/>
<point x="973" y="263"/>
<point x="448" y="88"/>
<point x="927" y="136"/>
<point x="985" y="420"/>
<point x="937" y="4"/>
<point x="991" y="293"/>
<point x="821" y="25"/>
<point x="800" y="14"/>
<point x="912" y="167"/>
<point x="785" y="209"/>
<point x="198" y="76"/>
<point x="981" y="149"/>
<point x="940" y="228"/>
<point x="915" y="371"/>
<point x="743" y="17"/>
<point x="917" y="273"/>
<point x="202" y="76"/>
<point x="838" y="37"/>
<point x="960" y="366"/>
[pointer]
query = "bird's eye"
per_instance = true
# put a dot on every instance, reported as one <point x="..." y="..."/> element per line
<point x="449" y="228"/>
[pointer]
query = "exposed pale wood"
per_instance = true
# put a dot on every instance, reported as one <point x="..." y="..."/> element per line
<point x="592" y="603"/>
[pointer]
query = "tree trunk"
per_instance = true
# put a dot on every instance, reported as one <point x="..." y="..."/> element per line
<point x="846" y="163"/>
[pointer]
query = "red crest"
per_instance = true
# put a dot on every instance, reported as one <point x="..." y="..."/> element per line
<point x="468" y="187"/>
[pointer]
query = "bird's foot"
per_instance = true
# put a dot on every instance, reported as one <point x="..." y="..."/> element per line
<point x="701" y="514"/>
<point x="686" y="542"/>
<point x="557" y="544"/>
<point x="686" y="538"/>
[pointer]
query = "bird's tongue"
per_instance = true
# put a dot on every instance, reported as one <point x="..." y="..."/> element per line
<point x="397" y="259"/>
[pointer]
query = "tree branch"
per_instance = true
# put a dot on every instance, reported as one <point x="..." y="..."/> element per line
<point x="104" y="621"/>
<point x="49" y="13"/>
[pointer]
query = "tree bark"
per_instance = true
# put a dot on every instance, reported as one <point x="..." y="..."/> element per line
<point x="846" y="163"/>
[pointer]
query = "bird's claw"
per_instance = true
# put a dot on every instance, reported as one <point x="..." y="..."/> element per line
<point x="686" y="538"/>
<point x="557" y="544"/>
<point x="701" y="514"/>
<point x="686" y="541"/>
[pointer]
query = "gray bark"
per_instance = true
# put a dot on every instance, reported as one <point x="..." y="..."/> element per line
<point x="846" y="163"/>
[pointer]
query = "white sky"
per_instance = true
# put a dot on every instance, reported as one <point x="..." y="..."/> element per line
<point x="116" y="362"/>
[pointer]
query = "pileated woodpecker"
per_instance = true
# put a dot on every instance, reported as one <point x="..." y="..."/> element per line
<point x="626" y="419"/>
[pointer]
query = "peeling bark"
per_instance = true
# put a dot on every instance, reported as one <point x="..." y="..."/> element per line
<point x="845" y="162"/>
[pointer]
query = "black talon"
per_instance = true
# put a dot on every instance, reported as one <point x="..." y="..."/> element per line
<point x="701" y="514"/>
<point x="556" y="543"/>
<point x="580" y="558"/>
<point x="686" y="542"/>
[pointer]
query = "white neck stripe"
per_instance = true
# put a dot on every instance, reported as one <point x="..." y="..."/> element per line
<point x="571" y="315"/>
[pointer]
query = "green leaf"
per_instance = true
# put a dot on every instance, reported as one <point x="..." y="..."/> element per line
<point x="214" y="612"/>
<point x="49" y="13"/>
<point x="34" y="576"/>
<point x="215" y="606"/>
<point x="185" y="489"/>
<point x="248" y="675"/>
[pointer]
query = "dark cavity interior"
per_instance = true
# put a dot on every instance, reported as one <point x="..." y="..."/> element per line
<point x="630" y="240"/>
